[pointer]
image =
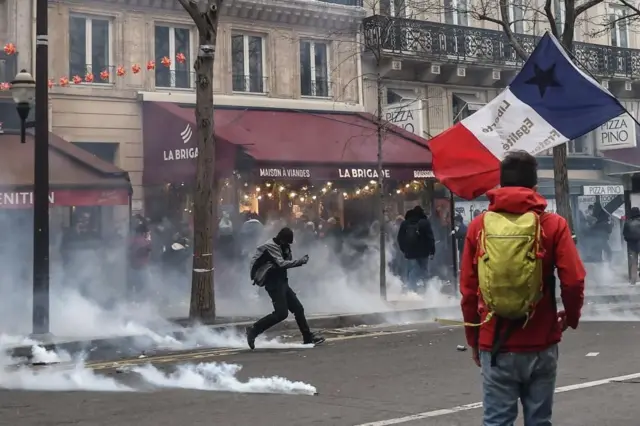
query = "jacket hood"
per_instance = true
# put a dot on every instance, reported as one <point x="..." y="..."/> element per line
<point x="516" y="200"/>
<point x="415" y="214"/>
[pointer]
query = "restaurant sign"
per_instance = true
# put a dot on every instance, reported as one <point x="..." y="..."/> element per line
<point x="24" y="199"/>
<point x="343" y="173"/>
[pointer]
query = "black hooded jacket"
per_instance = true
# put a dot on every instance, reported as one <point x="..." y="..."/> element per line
<point x="425" y="246"/>
<point x="631" y="230"/>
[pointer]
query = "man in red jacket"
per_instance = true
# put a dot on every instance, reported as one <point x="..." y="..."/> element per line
<point x="525" y="365"/>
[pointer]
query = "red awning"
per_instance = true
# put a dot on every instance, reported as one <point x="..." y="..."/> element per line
<point x="77" y="177"/>
<point x="343" y="142"/>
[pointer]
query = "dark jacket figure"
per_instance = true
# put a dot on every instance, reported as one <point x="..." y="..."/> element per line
<point x="631" y="230"/>
<point x="631" y="234"/>
<point x="601" y="231"/>
<point x="415" y="236"/>
<point x="417" y="243"/>
<point x="139" y="257"/>
<point x="269" y="268"/>
<point x="461" y="233"/>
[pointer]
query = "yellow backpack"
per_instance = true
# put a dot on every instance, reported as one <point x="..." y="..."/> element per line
<point x="510" y="270"/>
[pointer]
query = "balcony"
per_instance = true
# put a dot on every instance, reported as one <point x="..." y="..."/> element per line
<point x="431" y="41"/>
<point x="354" y="3"/>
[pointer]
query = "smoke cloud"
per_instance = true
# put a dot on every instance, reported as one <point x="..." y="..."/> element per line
<point x="90" y="297"/>
<point x="73" y="375"/>
<point x="219" y="377"/>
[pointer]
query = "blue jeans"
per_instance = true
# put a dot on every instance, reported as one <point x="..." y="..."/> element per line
<point x="528" y="376"/>
<point x="417" y="270"/>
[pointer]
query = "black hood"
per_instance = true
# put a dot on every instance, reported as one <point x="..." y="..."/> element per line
<point x="415" y="214"/>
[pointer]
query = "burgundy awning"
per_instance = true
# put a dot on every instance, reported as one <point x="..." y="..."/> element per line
<point x="300" y="144"/>
<point x="77" y="177"/>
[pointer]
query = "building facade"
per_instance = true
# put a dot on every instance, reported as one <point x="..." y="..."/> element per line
<point x="300" y="55"/>
<point x="439" y="65"/>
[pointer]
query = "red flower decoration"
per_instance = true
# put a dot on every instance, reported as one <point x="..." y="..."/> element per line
<point x="104" y="75"/>
<point x="88" y="77"/>
<point x="64" y="81"/>
<point x="10" y="49"/>
<point x="120" y="71"/>
<point x="166" y="61"/>
<point x="135" y="68"/>
<point x="181" y="58"/>
<point x="4" y="86"/>
<point x="151" y="65"/>
<point x="50" y="83"/>
<point x="77" y="79"/>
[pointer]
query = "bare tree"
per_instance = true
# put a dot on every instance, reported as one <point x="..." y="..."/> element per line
<point x="375" y="37"/>
<point x="205" y="15"/>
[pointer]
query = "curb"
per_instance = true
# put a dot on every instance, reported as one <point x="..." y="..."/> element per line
<point x="127" y="346"/>
<point x="132" y="345"/>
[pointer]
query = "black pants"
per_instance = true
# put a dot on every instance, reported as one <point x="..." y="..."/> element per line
<point x="284" y="301"/>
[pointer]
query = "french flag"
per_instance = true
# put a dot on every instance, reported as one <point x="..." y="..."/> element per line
<point x="550" y="102"/>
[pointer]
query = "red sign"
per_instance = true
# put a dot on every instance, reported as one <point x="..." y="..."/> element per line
<point x="67" y="197"/>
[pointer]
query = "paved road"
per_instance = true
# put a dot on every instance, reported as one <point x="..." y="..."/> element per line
<point x="361" y="380"/>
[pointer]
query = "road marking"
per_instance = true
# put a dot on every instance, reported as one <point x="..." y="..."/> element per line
<point x="476" y="405"/>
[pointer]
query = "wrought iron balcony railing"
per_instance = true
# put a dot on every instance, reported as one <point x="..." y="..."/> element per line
<point x="249" y="83"/>
<point x="450" y="43"/>
<point x="355" y="3"/>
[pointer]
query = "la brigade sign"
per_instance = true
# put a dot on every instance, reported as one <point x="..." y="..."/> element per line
<point x="617" y="133"/>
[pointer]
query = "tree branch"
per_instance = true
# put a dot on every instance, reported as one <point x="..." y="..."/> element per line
<point x="191" y="7"/>
<point x="551" y="18"/>
<point x="635" y="10"/>
<point x="568" y="33"/>
<point x="579" y="10"/>
<point x="504" y="23"/>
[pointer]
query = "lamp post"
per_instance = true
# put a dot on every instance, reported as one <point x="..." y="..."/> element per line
<point x="23" y="91"/>
<point x="41" y="176"/>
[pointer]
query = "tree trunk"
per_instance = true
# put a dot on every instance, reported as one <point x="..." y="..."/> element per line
<point x="561" y="183"/>
<point x="560" y="172"/>
<point x="202" y="306"/>
<point x="381" y="184"/>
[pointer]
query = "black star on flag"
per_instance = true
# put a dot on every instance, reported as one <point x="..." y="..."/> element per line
<point x="543" y="78"/>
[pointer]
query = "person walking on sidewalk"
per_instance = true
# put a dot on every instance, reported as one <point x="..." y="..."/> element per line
<point x="508" y="295"/>
<point x="269" y="270"/>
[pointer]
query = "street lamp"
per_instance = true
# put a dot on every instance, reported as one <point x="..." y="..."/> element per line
<point x="23" y="91"/>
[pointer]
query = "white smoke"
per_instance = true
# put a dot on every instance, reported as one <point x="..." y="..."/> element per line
<point x="219" y="377"/>
<point x="66" y="374"/>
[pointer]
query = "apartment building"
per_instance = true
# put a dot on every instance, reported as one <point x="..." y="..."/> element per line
<point x="298" y="55"/>
<point x="439" y="65"/>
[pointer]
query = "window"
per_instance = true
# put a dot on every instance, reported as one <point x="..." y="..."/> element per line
<point x="169" y="42"/>
<point x="90" y="47"/>
<point x="516" y="16"/>
<point x="619" y="29"/>
<point x="247" y="63"/>
<point x="559" y="13"/>
<point x="580" y="145"/>
<point x="456" y="12"/>
<point x="314" y="69"/>
<point x="103" y="150"/>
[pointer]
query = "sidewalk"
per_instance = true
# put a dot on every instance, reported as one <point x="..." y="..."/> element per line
<point x="113" y="347"/>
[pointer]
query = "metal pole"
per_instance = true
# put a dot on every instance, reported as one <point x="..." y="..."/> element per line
<point x="41" y="176"/>
<point x="381" y="188"/>
<point x="454" y="240"/>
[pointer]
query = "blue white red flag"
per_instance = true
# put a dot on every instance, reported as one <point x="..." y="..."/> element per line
<point x="551" y="101"/>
